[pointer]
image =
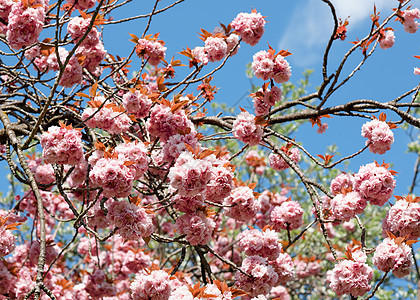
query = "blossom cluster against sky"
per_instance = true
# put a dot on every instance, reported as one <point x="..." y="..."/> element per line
<point x="303" y="27"/>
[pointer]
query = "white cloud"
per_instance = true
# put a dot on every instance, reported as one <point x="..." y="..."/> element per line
<point x="311" y="25"/>
<point x="359" y="10"/>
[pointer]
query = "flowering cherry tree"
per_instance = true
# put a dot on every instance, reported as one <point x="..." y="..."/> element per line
<point x="125" y="186"/>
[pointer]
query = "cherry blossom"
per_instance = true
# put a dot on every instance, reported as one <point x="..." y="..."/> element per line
<point x="263" y="276"/>
<point x="62" y="145"/>
<point x="249" y="26"/>
<point x="379" y="135"/>
<point x="375" y="183"/>
<point x="390" y="256"/>
<point x="197" y="226"/>
<point x="351" y="277"/>
<point x="245" y="129"/>
<point x="241" y="204"/>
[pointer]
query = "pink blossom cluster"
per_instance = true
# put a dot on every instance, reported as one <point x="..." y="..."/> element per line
<point x="163" y="123"/>
<point x="78" y="26"/>
<point x="25" y="23"/>
<point x="249" y="26"/>
<point x="306" y="267"/>
<point x="232" y="40"/>
<point x="279" y="292"/>
<point x="133" y="222"/>
<point x="181" y="293"/>
<point x="62" y="145"/>
<point x="137" y="104"/>
<point x="51" y="251"/>
<point x="197" y="226"/>
<point x="349" y="226"/>
<point x="136" y="154"/>
<point x="329" y="228"/>
<point x="379" y="135"/>
<point x="125" y="258"/>
<point x="52" y="59"/>
<point x="82" y="4"/>
<point x="269" y="199"/>
<point x="79" y="174"/>
<point x="287" y="215"/>
<point x="322" y="128"/>
<point x="284" y="267"/>
<point x="97" y="286"/>
<point x="6" y="279"/>
<point x="188" y="204"/>
<point x="269" y="98"/>
<point x="92" y="55"/>
<point x="263" y="276"/>
<point x="97" y="217"/>
<point x="5" y="8"/>
<point x="87" y="246"/>
<point x="388" y="40"/>
<point x="340" y="182"/>
<point x="375" y="183"/>
<point x="72" y="73"/>
<point x="279" y="164"/>
<point x="176" y="145"/>
<point x="60" y="207"/>
<point x="351" y="277"/>
<point x="44" y="173"/>
<point x="262" y="219"/>
<point x="22" y="284"/>
<point x="7" y="241"/>
<point x="256" y="242"/>
<point x="91" y="49"/>
<point x="153" y="51"/>
<point x="346" y="206"/>
<point x="390" y="256"/>
<point x="241" y="204"/>
<point x="189" y="175"/>
<point x="200" y="55"/>
<point x="410" y="16"/>
<point x="212" y="289"/>
<point x="215" y="48"/>
<point x="113" y="176"/>
<point x="220" y="185"/>
<point x="245" y="129"/>
<point x="40" y="61"/>
<point x="267" y="66"/>
<point x="107" y="118"/>
<point x="403" y="219"/>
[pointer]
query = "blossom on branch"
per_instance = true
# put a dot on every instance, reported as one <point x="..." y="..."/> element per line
<point x="62" y="145"/>
<point x="263" y="276"/>
<point x="249" y="26"/>
<point x="246" y="130"/>
<point x="375" y="183"/>
<point x="393" y="255"/>
<point x="351" y="277"/>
